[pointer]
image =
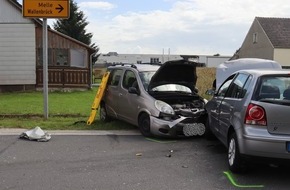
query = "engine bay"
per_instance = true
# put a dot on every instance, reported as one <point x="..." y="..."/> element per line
<point x="189" y="109"/>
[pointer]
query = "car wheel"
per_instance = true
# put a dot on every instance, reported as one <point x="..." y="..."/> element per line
<point x="144" y="125"/>
<point x="236" y="162"/>
<point x="103" y="113"/>
<point x="208" y="134"/>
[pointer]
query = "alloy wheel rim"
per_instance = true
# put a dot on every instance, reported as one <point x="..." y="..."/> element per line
<point x="103" y="114"/>
<point x="232" y="152"/>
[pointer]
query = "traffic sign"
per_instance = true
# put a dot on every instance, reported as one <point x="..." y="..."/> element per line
<point x="46" y="8"/>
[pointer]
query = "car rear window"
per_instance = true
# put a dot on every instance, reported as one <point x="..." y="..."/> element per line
<point x="273" y="88"/>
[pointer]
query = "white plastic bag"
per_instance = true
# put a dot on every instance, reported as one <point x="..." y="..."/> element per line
<point x="36" y="134"/>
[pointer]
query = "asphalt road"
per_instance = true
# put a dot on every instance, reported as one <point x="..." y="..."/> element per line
<point x="116" y="162"/>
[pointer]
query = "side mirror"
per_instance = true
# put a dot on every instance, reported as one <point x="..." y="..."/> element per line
<point x="210" y="92"/>
<point x="133" y="90"/>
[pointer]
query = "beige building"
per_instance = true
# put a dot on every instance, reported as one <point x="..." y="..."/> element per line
<point x="268" y="38"/>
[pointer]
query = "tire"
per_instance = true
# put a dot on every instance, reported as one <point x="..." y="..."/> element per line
<point x="236" y="162"/>
<point x="144" y="125"/>
<point x="208" y="134"/>
<point x="103" y="113"/>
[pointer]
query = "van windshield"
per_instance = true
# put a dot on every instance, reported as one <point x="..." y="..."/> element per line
<point x="146" y="78"/>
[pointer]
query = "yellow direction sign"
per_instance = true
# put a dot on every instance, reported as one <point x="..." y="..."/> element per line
<point x="46" y="8"/>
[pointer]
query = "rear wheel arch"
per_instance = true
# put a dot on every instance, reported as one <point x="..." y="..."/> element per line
<point x="230" y="132"/>
<point x="209" y="135"/>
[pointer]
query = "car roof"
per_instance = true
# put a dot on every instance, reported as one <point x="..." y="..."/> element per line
<point x="265" y="71"/>
<point x="139" y="67"/>
<point x="147" y="67"/>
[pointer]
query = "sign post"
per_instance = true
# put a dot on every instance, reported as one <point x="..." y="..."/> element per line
<point x="45" y="68"/>
<point x="45" y="9"/>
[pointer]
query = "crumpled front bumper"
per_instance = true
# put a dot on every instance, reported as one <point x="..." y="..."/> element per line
<point x="175" y="128"/>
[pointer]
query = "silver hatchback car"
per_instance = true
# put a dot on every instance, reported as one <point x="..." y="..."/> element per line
<point x="249" y="114"/>
<point x="161" y="100"/>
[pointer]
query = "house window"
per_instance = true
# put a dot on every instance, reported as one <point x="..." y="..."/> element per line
<point x="40" y="57"/>
<point x="77" y="58"/>
<point x="139" y="62"/>
<point x="61" y="57"/>
<point x="154" y="60"/>
<point x="255" y="38"/>
<point x="55" y="57"/>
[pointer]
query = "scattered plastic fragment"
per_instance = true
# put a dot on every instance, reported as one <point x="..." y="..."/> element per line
<point x="36" y="134"/>
<point x="139" y="154"/>
<point x="169" y="155"/>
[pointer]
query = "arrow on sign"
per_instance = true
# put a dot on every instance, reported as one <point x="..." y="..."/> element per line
<point x="60" y="8"/>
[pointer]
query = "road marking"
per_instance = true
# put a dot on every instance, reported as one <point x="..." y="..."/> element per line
<point x="231" y="179"/>
<point x="159" y="141"/>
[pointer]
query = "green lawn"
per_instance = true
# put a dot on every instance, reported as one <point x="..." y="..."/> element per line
<point x="67" y="110"/>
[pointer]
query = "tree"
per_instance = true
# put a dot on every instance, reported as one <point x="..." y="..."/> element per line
<point x="75" y="27"/>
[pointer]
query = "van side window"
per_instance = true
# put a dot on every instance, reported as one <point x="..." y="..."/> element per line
<point x="129" y="79"/>
<point x="115" y="77"/>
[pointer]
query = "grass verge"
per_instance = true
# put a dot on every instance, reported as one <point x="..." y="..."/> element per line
<point x="67" y="111"/>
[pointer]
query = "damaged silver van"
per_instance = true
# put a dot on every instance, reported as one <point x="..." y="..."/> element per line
<point x="162" y="100"/>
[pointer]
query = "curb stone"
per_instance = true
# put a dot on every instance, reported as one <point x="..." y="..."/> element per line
<point x="17" y="131"/>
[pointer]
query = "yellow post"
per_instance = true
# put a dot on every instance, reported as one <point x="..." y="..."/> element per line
<point x="98" y="98"/>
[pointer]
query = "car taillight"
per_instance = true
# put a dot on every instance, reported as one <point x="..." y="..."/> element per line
<point x="255" y="115"/>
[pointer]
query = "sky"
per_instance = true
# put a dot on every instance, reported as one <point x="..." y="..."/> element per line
<point x="195" y="27"/>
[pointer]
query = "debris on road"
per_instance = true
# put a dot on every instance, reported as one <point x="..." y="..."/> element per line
<point x="139" y="154"/>
<point x="169" y="155"/>
<point x="36" y="134"/>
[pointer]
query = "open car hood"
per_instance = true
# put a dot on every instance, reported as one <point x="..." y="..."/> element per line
<point x="180" y="72"/>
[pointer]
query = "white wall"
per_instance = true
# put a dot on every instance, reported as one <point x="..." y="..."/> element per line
<point x="133" y="58"/>
<point x="9" y="13"/>
<point x="17" y="47"/>
<point x="17" y="54"/>
<point x="214" y="61"/>
<point x="209" y="60"/>
<point x="282" y="56"/>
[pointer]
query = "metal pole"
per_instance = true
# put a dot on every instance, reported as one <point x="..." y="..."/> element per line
<point x="45" y="68"/>
<point x="91" y="71"/>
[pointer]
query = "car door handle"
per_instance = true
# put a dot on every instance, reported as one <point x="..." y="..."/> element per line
<point x="120" y="94"/>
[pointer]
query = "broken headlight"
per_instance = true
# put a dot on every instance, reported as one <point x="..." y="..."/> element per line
<point x="164" y="107"/>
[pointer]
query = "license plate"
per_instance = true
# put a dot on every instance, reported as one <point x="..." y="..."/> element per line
<point x="288" y="146"/>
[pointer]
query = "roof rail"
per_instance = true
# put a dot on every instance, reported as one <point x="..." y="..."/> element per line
<point x="149" y="63"/>
<point x="124" y="64"/>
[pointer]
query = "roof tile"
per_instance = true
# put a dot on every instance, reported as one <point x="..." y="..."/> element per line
<point x="277" y="30"/>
